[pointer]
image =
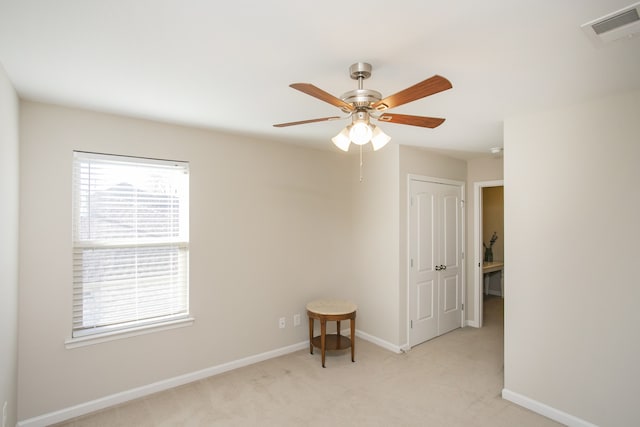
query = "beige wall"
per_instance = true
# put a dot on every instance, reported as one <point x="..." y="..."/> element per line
<point x="9" y="186"/>
<point x="270" y="229"/>
<point x="380" y="234"/>
<point x="375" y="242"/>
<point x="418" y="162"/>
<point x="571" y="225"/>
<point x="478" y="170"/>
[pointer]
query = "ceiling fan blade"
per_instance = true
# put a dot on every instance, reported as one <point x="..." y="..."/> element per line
<point x="302" y="122"/>
<point x="316" y="92"/>
<point x="404" y="119"/>
<point x="427" y="87"/>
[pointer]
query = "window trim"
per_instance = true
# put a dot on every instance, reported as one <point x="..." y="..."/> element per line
<point x="144" y="326"/>
<point x="86" y="340"/>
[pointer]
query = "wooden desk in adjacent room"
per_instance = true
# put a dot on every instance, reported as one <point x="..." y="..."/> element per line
<point x="492" y="267"/>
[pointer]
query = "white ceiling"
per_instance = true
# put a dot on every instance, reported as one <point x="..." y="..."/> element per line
<point x="227" y="65"/>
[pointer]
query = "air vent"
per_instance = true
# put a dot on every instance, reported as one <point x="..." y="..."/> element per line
<point x="623" y="23"/>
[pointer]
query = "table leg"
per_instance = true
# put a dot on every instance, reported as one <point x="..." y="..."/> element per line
<point x="353" y="339"/>
<point x="311" y="335"/>
<point x="487" y="279"/>
<point x="338" y="334"/>
<point x="323" y="334"/>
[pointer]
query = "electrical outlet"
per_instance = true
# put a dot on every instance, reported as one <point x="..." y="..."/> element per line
<point x="282" y="322"/>
<point x="296" y="319"/>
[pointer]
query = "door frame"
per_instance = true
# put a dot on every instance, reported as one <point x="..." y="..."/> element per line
<point x="477" y="248"/>
<point x="462" y="185"/>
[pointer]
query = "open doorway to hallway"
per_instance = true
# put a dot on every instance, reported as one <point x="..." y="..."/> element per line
<point x="489" y="244"/>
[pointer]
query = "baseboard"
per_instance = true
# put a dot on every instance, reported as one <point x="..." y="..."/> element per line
<point x="125" y="396"/>
<point x="546" y="410"/>
<point x="471" y="323"/>
<point x="374" y="340"/>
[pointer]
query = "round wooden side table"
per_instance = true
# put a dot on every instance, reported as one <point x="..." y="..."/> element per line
<point x="331" y="310"/>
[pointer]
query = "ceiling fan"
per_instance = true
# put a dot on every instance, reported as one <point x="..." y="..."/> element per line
<point x="363" y="104"/>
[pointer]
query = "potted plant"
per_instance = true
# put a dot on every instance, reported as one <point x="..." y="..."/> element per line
<point x="488" y="250"/>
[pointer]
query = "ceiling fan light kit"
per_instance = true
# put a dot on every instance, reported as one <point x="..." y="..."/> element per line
<point x="363" y="104"/>
<point x="379" y="138"/>
<point x="360" y="133"/>
<point x="342" y="140"/>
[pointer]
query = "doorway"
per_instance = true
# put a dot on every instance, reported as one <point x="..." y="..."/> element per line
<point x="480" y="241"/>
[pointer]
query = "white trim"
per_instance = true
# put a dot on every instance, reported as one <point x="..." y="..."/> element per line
<point x="472" y="323"/>
<point x="545" y="410"/>
<point x="126" y="333"/>
<point x="477" y="251"/>
<point x="433" y="179"/>
<point x="125" y="396"/>
<point x="407" y="345"/>
<point x="374" y="340"/>
<point x="463" y="249"/>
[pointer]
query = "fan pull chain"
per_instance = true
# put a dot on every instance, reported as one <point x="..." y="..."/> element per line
<point x="361" y="163"/>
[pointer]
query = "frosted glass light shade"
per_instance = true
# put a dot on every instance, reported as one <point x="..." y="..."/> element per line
<point x="342" y="140"/>
<point x="360" y="133"/>
<point x="379" y="138"/>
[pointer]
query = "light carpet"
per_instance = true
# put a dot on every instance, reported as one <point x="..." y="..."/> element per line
<point x="453" y="380"/>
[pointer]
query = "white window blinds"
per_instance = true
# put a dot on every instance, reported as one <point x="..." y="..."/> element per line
<point x="130" y="242"/>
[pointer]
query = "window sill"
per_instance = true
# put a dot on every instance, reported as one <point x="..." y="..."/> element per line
<point x="141" y="330"/>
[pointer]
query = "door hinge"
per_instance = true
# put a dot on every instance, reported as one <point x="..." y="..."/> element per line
<point x="411" y="201"/>
<point x="462" y="204"/>
<point x="462" y="255"/>
<point x="462" y="307"/>
<point x="411" y="324"/>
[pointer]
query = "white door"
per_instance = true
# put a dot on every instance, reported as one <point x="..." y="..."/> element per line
<point x="435" y="250"/>
<point x="423" y="295"/>
<point x="450" y="283"/>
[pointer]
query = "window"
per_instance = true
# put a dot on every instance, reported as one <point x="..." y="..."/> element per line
<point x="130" y="243"/>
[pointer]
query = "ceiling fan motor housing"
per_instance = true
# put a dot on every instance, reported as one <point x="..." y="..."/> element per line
<point x="360" y="70"/>
<point x="361" y="98"/>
